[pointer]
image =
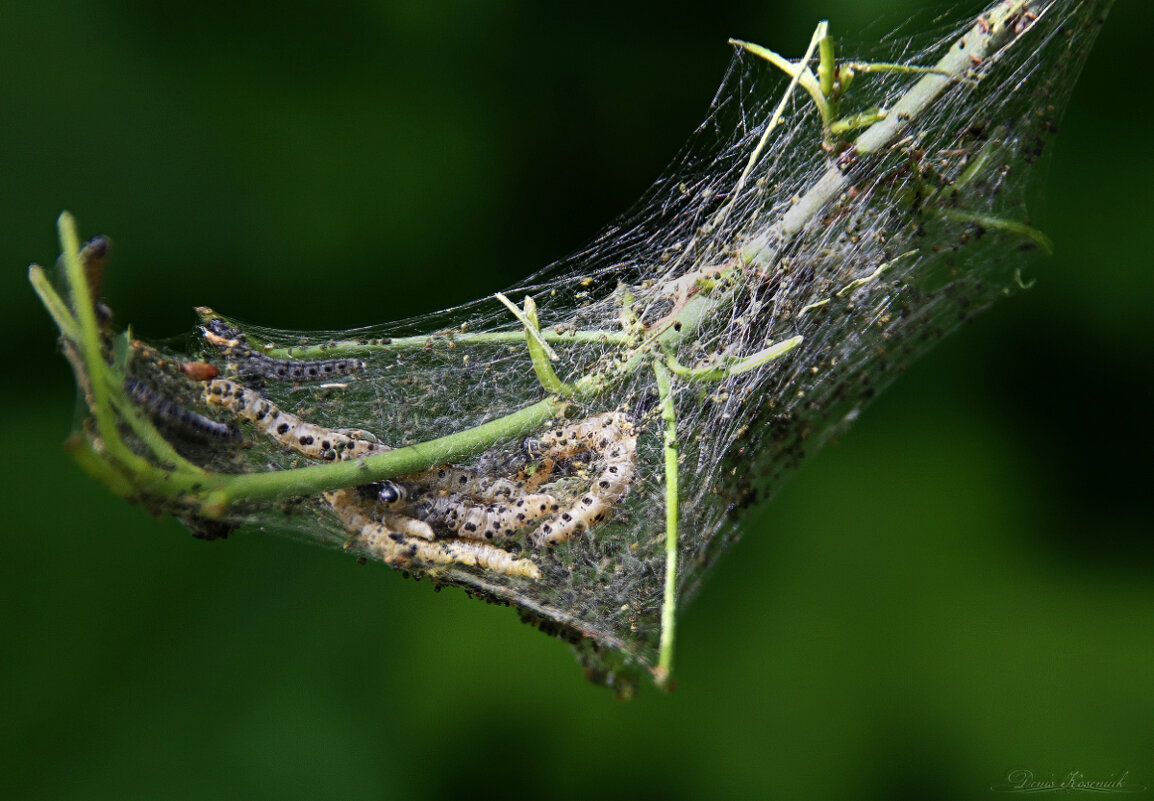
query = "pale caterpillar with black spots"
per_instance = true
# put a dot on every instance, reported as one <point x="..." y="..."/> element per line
<point x="316" y="442"/>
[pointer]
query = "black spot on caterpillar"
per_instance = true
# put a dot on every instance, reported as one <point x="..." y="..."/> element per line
<point x="170" y="414"/>
<point x="248" y="362"/>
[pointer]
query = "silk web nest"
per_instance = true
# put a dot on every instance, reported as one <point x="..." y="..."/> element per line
<point x="582" y="446"/>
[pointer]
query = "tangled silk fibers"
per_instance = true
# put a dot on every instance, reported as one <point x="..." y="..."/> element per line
<point x="582" y="446"/>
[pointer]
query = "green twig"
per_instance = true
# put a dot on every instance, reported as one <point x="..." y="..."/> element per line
<point x="775" y="119"/>
<point x="664" y="668"/>
<point x="799" y="70"/>
<point x="734" y="366"/>
<point x="994" y="223"/>
<point x="55" y="305"/>
<point x="369" y="347"/>
<point x="531" y="327"/>
<point x="538" y="354"/>
<point x="860" y="282"/>
<point x="89" y="347"/>
<point x="315" y="479"/>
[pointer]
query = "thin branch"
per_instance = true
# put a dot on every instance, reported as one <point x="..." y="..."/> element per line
<point x="672" y="505"/>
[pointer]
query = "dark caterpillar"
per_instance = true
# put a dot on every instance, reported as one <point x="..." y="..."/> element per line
<point x="172" y="415"/>
<point x="249" y="362"/>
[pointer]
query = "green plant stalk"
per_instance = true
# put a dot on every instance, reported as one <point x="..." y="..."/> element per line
<point x="55" y="305"/>
<point x="734" y="367"/>
<point x="532" y="329"/>
<point x="446" y="339"/>
<point x="825" y="70"/>
<point x="994" y="223"/>
<point x="672" y="506"/>
<point x="805" y="77"/>
<point x="315" y="479"/>
<point x="84" y="312"/>
<point x="775" y="119"/>
<point x="215" y="493"/>
<point x="538" y="354"/>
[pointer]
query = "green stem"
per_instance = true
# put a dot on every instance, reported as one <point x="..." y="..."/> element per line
<point x="532" y="329"/>
<point x="539" y="353"/>
<point x="733" y="366"/>
<point x="55" y="305"/>
<point x="672" y="503"/>
<point x="774" y="120"/>
<point x="342" y="348"/>
<point x="805" y="77"/>
<point x="89" y="347"/>
<point x="1001" y="224"/>
<point x="763" y="357"/>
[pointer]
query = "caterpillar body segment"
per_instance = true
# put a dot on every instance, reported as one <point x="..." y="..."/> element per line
<point x="447" y="479"/>
<point x="356" y="512"/>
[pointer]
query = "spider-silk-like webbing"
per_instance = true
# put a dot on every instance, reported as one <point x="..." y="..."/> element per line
<point x="920" y="234"/>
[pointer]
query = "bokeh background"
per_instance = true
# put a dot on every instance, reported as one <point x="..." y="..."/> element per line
<point x="960" y="586"/>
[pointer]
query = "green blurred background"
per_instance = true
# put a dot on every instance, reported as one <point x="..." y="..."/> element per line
<point x="959" y="587"/>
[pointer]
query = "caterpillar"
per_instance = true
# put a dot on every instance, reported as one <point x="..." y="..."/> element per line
<point x="171" y="414"/>
<point x="448" y="479"/>
<point x="610" y="434"/>
<point x="499" y="513"/>
<point x="389" y="537"/>
<point x="251" y="362"/>
<point x="485" y="521"/>
<point x="286" y="428"/>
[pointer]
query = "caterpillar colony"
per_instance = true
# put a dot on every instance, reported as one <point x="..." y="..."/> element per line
<point x="582" y="446"/>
